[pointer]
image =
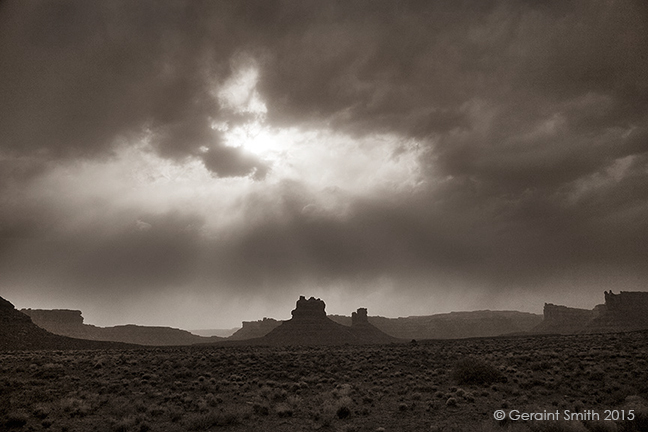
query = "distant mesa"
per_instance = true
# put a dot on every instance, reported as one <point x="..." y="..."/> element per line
<point x="309" y="325"/>
<point x="224" y="333"/>
<point x="69" y="323"/>
<point x="18" y="332"/>
<point x="626" y="311"/>
<point x="453" y="325"/>
<point x="560" y="319"/>
<point x="64" y="322"/>
<point x="255" y="329"/>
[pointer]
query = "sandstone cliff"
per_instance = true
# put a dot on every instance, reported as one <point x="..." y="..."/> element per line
<point x="18" y="332"/>
<point x="69" y="323"/>
<point x="626" y="311"/>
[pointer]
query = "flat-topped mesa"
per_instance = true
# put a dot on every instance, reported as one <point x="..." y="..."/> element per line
<point x="626" y="301"/>
<point x="560" y="319"/>
<point x="18" y="332"/>
<point x="54" y="317"/>
<point x="359" y="317"/>
<point x="309" y="309"/>
<point x="255" y="329"/>
<point x="564" y="313"/>
<point x="66" y="322"/>
<point x="626" y="311"/>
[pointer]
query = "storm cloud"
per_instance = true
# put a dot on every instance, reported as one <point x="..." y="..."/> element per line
<point x="213" y="155"/>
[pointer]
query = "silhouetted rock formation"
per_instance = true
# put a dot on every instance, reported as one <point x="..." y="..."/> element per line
<point x="255" y="329"/>
<point x="64" y="322"/>
<point x="564" y="320"/>
<point x="359" y="317"/>
<point x="364" y="330"/>
<point x="309" y="325"/>
<point x="453" y="325"/>
<point x="626" y="311"/>
<point x="18" y="332"/>
<point x="69" y="323"/>
<point x="56" y="317"/>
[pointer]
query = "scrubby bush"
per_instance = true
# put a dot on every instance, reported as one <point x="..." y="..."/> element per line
<point x="473" y="371"/>
<point x="284" y="410"/>
<point x="16" y="420"/>
<point x="343" y="411"/>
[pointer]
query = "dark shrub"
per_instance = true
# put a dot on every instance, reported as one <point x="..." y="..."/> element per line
<point x="475" y="371"/>
<point x="261" y="409"/>
<point x="16" y="420"/>
<point x="343" y="412"/>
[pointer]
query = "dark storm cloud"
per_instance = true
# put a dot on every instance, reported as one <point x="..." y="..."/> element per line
<point x="520" y="102"/>
<point x="532" y="116"/>
<point x="77" y="77"/>
<point x="231" y="162"/>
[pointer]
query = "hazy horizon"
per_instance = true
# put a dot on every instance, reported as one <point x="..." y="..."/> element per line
<point x="286" y="316"/>
<point x="197" y="164"/>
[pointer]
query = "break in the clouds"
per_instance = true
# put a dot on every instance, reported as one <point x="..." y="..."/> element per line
<point x="198" y="163"/>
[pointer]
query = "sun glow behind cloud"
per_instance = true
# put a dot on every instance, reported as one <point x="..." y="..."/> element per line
<point x="319" y="170"/>
<point x="319" y="158"/>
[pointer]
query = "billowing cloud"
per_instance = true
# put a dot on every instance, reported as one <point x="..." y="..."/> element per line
<point x="456" y="155"/>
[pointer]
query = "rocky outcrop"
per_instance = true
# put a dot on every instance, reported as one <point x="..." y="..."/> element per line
<point x="361" y="327"/>
<point x="69" y="323"/>
<point x="55" y="317"/>
<point x="18" y="332"/>
<point x="564" y="320"/>
<point x="453" y="325"/>
<point x="255" y="329"/>
<point x="311" y="309"/>
<point x="64" y="322"/>
<point x="359" y="317"/>
<point x="309" y="325"/>
<point x="626" y="311"/>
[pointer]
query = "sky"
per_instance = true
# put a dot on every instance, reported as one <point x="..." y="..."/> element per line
<point x="195" y="164"/>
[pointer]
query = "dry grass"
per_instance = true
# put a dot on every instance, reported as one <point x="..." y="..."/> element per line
<point x="441" y="385"/>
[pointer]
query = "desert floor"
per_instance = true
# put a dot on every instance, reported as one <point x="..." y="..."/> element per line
<point x="435" y="385"/>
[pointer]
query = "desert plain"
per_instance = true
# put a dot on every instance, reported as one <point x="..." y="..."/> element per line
<point x="435" y="385"/>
